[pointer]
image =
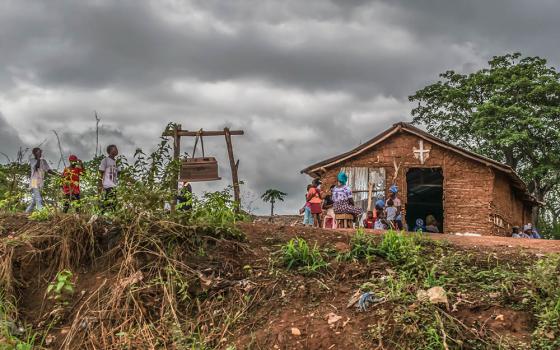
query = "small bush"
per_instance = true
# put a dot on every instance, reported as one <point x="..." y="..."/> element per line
<point x="400" y="248"/>
<point x="362" y="246"/>
<point x="24" y="340"/>
<point x="62" y="287"/>
<point x="41" y="215"/>
<point x="297" y="254"/>
<point x="544" y="278"/>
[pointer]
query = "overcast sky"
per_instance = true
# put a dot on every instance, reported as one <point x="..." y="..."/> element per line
<point x="306" y="80"/>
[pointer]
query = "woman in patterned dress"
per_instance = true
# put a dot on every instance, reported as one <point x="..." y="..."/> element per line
<point x="342" y="197"/>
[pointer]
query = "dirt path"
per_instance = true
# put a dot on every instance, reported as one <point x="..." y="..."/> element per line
<point x="491" y="243"/>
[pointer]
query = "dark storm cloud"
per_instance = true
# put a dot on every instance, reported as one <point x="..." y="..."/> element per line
<point x="305" y="79"/>
<point x="9" y="141"/>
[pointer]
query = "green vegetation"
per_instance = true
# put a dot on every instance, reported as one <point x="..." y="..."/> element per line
<point x="41" y="215"/>
<point x="508" y="112"/>
<point x="12" y="336"/>
<point x="400" y="248"/>
<point x="362" y="246"/>
<point x="298" y="254"/>
<point x="272" y="196"/>
<point x="544" y="279"/>
<point x="62" y="287"/>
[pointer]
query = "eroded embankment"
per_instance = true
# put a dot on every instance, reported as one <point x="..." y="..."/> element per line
<point x="159" y="284"/>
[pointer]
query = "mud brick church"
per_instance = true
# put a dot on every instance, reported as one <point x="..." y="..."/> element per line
<point x="466" y="192"/>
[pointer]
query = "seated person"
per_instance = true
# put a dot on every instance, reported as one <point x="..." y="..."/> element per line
<point x="369" y="222"/>
<point x="328" y="206"/>
<point x="530" y="232"/>
<point x="342" y="197"/>
<point x="520" y="234"/>
<point x="515" y="232"/>
<point x="379" y="223"/>
<point x="419" y="226"/>
<point x="432" y="224"/>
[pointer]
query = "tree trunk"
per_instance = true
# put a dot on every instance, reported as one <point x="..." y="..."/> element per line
<point x="540" y="193"/>
<point x="271" y="209"/>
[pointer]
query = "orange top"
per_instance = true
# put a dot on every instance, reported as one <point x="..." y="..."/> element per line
<point x="314" y="195"/>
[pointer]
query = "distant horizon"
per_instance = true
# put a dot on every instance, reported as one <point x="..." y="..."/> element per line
<point x="305" y="80"/>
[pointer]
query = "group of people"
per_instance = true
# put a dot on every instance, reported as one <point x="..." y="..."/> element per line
<point x="528" y="232"/>
<point x="322" y="206"/>
<point x="108" y="179"/>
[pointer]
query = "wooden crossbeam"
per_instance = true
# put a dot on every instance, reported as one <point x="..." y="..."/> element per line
<point x="177" y="133"/>
<point x="203" y="133"/>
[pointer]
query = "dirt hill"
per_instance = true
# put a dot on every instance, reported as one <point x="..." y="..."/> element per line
<point x="153" y="284"/>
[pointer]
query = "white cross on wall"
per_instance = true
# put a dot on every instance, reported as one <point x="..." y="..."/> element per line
<point x="421" y="153"/>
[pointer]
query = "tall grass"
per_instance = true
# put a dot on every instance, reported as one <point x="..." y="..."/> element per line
<point x="298" y="254"/>
<point x="544" y="277"/>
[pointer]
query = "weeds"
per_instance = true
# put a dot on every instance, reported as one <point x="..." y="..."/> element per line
<point x="13" y="336"/>
<point x="62" y="287"/>
<point x="545" y="294"/>
<point x="362" y="246"/>
<point x="298" y="254"/>
<point x="400" y="248"/>
<point x="44" y="214"/>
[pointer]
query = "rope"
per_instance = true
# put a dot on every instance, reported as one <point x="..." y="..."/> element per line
<point x="198" y="136"/>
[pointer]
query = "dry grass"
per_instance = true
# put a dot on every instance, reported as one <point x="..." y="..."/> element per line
<point x="152" y="297"/>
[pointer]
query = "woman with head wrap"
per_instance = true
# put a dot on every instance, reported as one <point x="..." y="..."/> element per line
<point x="342" y="197"/>
<point x="393" y="190"/>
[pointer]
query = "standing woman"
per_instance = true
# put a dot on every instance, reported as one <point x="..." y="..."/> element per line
<point x="315" y="202"/>
<point x="342" y="197"/>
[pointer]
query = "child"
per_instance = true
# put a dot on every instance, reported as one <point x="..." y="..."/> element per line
<point x="329" y="220"/>
<point x="379" y="221"/>
<point x="315" y="201"/>
<point x="71" y="182"/>
<point x="307" y="217"/>
<point x="39" y="168"/>
<point x="419" y="226"/>
<point x="108" y="180"/>
<point x="369" y="222"/>
<point x="391" y="213"/>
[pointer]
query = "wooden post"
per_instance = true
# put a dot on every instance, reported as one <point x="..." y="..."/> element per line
<point x="176" y="156"/>
<point x="369" y="198"/>
<point x="233" y="164"/>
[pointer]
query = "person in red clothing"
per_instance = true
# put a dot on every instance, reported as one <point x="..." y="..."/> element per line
<point x="315" y="202"/>
<point x="71" y="182"/>
<point x="369" y="222"/>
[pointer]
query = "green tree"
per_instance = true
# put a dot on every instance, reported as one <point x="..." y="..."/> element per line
<point x="509" y="111"/>
<point x="272" y="196"/>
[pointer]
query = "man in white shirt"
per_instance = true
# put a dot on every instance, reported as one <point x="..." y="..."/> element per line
<point x="109" y="178"/>
<point x="39" y="168"/>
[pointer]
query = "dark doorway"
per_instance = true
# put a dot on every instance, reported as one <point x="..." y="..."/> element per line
<point x="424" y="195"/>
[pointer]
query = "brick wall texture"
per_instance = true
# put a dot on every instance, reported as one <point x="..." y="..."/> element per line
<point x="477" y="199"/>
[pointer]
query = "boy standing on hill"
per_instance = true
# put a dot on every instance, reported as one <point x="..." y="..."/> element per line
<point x="71" y="182"/>
<point x="108" y="180"/>
<point x="39" y="167"/>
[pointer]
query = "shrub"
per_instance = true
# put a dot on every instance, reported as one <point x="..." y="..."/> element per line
<point x="41" y="215"/>
<point x="400" y="248"/>
<point x="62" y="287"/>
<point x="297" y="254"/>
<point x="362" y="246"/>
<point x="544" y="278"/>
